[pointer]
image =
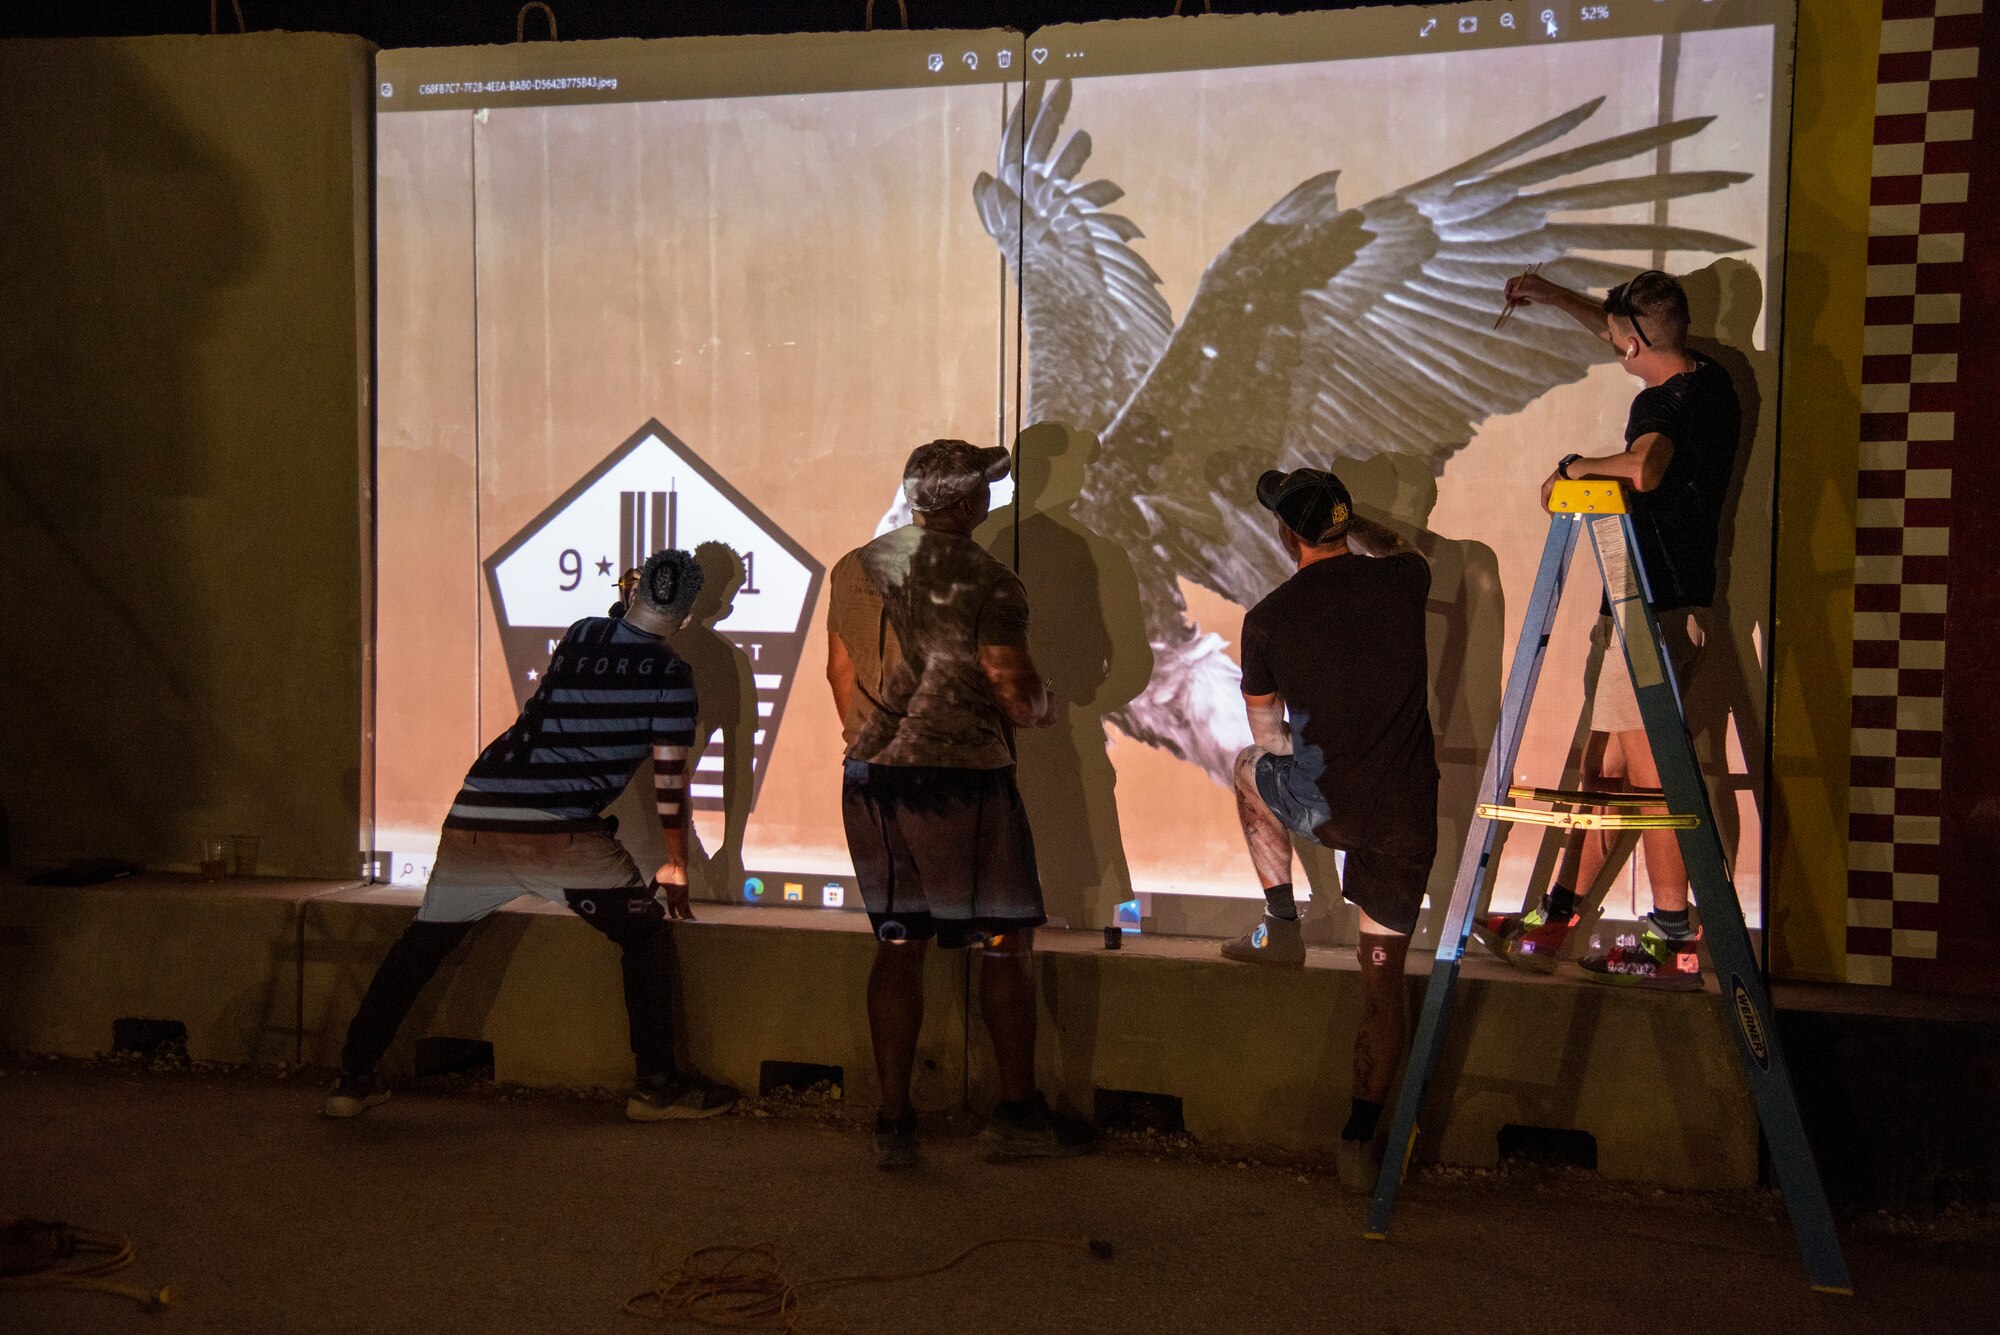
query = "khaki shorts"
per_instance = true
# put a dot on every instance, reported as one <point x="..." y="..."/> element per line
<point x="1615" y="708"/>
<point x="477" y="871"/>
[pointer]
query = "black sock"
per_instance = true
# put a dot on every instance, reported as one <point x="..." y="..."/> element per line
<point x="1361" y="1119"/>
<point x="1279" y="903"/>
<point x="1560" y="902"/>
<point x="1676" y="925"/>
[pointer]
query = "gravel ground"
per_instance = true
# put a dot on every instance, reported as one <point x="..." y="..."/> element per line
<point x="459" y="1206"/>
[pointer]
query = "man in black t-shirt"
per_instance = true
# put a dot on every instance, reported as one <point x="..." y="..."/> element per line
<point x="1680" y="452"/>
<point x="1336" y="683"/>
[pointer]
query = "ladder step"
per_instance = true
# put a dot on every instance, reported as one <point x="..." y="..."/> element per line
<point x="1587" y="820"/>
<point x="1574" y="797"/>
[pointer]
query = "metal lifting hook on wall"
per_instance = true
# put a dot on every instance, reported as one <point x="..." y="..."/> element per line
<point x="902" y="8"/>
<point x="521" y="21"/>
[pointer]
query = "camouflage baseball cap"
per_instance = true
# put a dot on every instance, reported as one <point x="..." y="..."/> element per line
<point x="943" y="473"/>
<point x="1313" y="502"/>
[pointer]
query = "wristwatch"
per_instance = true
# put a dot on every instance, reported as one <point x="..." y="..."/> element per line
<point x="1562" y="466"/>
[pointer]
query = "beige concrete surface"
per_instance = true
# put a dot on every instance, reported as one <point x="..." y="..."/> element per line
<point x="270" y="971"/>
<point x="755" y="986"/>
<point x="1262" y="1057"/>
<point x="536" y="1215"/>
<point x="185" y="226"/>
<point x="221" y="957"/>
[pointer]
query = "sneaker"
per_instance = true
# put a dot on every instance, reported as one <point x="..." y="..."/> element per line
<point x="1357" y="1164"/>
<point x="895" y="1140"/>
<point x="1034" y="1131"/>
<point x="676" y="1098"/>
<point x="1532" y="940"/>
<point x="1274" y="941"/>
<point x="353" y="1095"/>
<point x="1650" y="959"/>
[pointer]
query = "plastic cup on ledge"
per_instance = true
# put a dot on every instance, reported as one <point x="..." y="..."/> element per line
<point x="214" y="859"/>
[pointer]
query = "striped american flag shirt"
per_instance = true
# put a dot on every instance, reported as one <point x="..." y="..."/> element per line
<point x="611" y="694"/>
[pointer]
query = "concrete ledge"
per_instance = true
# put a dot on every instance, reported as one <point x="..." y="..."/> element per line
<point x="266" y="971"/>
<point x="1655" y="1077"/>
<point x="545" y="990"/>
<point x="221" y="957"/>
<point x="1261" y="1058"/>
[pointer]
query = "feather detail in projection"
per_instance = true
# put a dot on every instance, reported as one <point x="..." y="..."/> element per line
<point x="1320" y="333"/>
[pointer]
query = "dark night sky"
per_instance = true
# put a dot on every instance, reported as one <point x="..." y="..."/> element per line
<point x="463" y="22"/>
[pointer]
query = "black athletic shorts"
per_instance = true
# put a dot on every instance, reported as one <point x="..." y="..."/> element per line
<point x="942" y="853"/>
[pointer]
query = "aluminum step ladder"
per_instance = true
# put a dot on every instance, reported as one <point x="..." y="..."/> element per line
<point x="1601" y="508"/>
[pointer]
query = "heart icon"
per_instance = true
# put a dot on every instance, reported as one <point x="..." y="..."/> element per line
<point x="1039" y="54"/>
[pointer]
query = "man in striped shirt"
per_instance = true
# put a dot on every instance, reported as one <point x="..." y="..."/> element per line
<point x="528" y="821"/>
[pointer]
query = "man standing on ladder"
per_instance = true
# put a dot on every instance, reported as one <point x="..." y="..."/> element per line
<point x="1679" y="456"/>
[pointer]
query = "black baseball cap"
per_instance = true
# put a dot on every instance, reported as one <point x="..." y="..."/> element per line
<point x="1313" y="502"/>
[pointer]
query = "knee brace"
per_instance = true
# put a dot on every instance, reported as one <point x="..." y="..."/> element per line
<point x="1007" y="945"/>
<point x="1380" y="951"/>
<point x="628" y="917"/>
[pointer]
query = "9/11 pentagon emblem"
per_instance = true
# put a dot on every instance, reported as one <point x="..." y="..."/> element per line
<point x="650" y="493"/>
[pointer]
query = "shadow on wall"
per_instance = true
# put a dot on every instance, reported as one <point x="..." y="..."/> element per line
<point x="1467" y="619"/>
<point x="1725" y="301"/>
<point x="1088" y="636"/>
<point x="726" y="721"/>
<point x="120" y="229"/>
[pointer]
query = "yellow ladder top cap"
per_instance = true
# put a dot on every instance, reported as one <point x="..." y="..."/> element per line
<point x="1587" y="498"/>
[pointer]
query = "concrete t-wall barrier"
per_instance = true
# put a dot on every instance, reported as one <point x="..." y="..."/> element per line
<point x="544" y="988"/>
<point x="263" y="972"/>
<point x="223" y="960"/>
<point x="1262" y="1058"/>
<point x="184" y="229"/>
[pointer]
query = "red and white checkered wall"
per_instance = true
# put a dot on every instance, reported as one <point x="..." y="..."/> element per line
<point x="1927" y="79"/>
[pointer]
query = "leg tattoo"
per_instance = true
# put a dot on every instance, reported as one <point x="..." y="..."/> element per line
<point x="1270" y="845"/>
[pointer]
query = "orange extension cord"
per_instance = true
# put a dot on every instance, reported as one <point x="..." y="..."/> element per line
<point x="39" y="1254"/>
<point x="745" y="1288"/>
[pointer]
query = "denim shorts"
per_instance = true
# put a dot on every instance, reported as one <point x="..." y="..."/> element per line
<point x="1386" y="877"/>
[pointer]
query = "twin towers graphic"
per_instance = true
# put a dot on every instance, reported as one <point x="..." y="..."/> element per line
<point x="649" y="521"/>
<point x="654" y="492"/>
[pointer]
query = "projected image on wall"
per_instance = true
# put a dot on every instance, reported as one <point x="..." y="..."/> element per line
<point x="713" y="306"/>
<point x="711" y="293"/>
<point x="1282" y="263"/>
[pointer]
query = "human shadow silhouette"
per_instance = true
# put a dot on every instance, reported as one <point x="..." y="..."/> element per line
<point x="1087" y="632"/>
<point x="1725" y="300"/>
<point x="726" y="716"/>
<point x="124" y="229"/>
<point x="1466" y="617"/>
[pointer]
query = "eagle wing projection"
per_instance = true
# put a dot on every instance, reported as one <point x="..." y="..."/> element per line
<point x="1096" y="320"/>
<point x="1319" y="333"/>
